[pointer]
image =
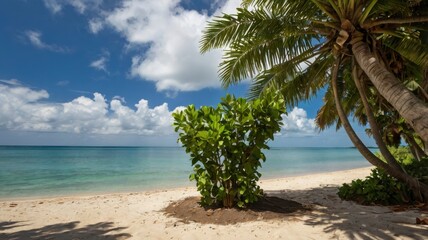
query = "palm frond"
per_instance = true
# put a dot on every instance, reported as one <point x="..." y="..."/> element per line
<point x="314" y="78"/>
<point x="246" y="58"/>
<point x="409" y="48"/>
<point x="350" y="99"/>
<point x="230" y="28"/>
<point x="366" y="12"/>
<point x="224" y="30"/>
<point x="296" y="84"/>
<point x="389" y="8"/>
<point x="298" y="9"/>
<point x="327" y="9"/>
<point x="327" y="114"/>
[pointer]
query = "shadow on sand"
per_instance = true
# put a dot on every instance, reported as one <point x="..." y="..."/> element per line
<point x="351" y="220"/>
<point x="63" y="231"/>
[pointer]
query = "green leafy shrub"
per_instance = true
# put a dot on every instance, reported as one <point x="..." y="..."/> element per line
<point x="225" y="146"/>
<point x="380" y="188"/>
<point x="377" y="188"/>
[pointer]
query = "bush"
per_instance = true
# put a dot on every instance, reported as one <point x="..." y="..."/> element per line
<point x="380" y="188"/>
<point x="225" y="146"/>
<point x="377" y="188"/>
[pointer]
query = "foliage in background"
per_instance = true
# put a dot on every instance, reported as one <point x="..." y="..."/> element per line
<point x="381" y="188"/>
<point x="225" y="146"/>
<point x="402" y="154"/>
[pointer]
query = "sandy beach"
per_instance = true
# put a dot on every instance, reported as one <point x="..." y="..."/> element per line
<point x="141" y="216"/>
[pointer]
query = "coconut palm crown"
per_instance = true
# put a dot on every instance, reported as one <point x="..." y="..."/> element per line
<point x="292" y="45"/>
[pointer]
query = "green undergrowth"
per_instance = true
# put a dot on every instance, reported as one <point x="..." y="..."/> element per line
<point x="381" y="188"/>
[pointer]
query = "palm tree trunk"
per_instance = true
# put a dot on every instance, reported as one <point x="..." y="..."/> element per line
<point x="372" y="122"/>
<point x="419" y="189"/>
<point x="417" y="151"/>
<point x="367" y="154"/>
<point x="411" y="108"/>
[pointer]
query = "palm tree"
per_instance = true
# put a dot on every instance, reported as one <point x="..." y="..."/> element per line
<point x="349" y="47"/>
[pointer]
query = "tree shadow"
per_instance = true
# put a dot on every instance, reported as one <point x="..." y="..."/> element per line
<point x="64" y="231"/>
<point x="352" y="220"/>
<point x="277" y="205"/>
<point x="10" y="224"/>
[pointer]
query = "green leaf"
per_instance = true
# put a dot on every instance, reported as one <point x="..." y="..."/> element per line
<point x="203" y="134"/>
<point x="367" y="11"/>
<point x="242" y="190"/>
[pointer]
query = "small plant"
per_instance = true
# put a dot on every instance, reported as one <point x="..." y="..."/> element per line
<point x="225" y="146"/>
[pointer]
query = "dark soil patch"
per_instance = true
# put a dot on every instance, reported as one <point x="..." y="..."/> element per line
<point x="189" y="210"/>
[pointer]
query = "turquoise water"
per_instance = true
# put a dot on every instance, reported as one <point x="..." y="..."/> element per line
<point x="60" y="171"/>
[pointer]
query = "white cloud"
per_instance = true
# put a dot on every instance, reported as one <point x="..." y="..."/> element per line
<point x="171" y="35"/>
<point x="35" y="38"/>
<point x="95" y="25"/>
<point x="62" y="83"/>
<point x="101" y="63"/>
<point x="79" y="5"/>
<point x="25" y="109"/>
<point x="27" y="117"/>
<point x="121" y="99"/>
<point x="56" y="6"/>
<point x="53" y="5"/>
<point x="297" y="123"/>
<point x="14" y="82"/>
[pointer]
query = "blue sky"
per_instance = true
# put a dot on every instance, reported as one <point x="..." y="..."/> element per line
<point x="104" y="72"/>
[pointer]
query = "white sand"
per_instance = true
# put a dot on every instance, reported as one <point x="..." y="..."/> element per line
<point x="139" y="216"/>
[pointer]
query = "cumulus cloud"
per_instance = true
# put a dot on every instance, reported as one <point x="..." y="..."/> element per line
<point x="35" y="38"/>
<point x="26" y="109"/>
<point x="101" y="63"/>
<point x="297" y="123"/>
<point x="171" y="36"/>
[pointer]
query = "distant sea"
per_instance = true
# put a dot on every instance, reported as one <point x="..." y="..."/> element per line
<point x="31" y="172"/>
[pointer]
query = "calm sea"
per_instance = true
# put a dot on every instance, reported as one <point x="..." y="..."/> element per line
<point x="61" y="171"/>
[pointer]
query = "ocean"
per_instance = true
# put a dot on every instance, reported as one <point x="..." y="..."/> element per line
<point x="32" y="172"/>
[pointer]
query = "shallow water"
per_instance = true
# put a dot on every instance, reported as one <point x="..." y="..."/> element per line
<point x="60" y="171"/>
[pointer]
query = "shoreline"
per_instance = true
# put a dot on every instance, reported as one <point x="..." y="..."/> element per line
<point x="45" y="173"/>
<point x="140" y="215"/>
<point x="155" y="190"/>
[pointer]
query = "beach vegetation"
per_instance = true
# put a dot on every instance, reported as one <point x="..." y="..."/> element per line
<point x="225" y="145"/>
<point x="377" y="188"/>
<point x="402" y="153"/>
<point x="380" y="188"/>
<point x="368" y="58"/>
